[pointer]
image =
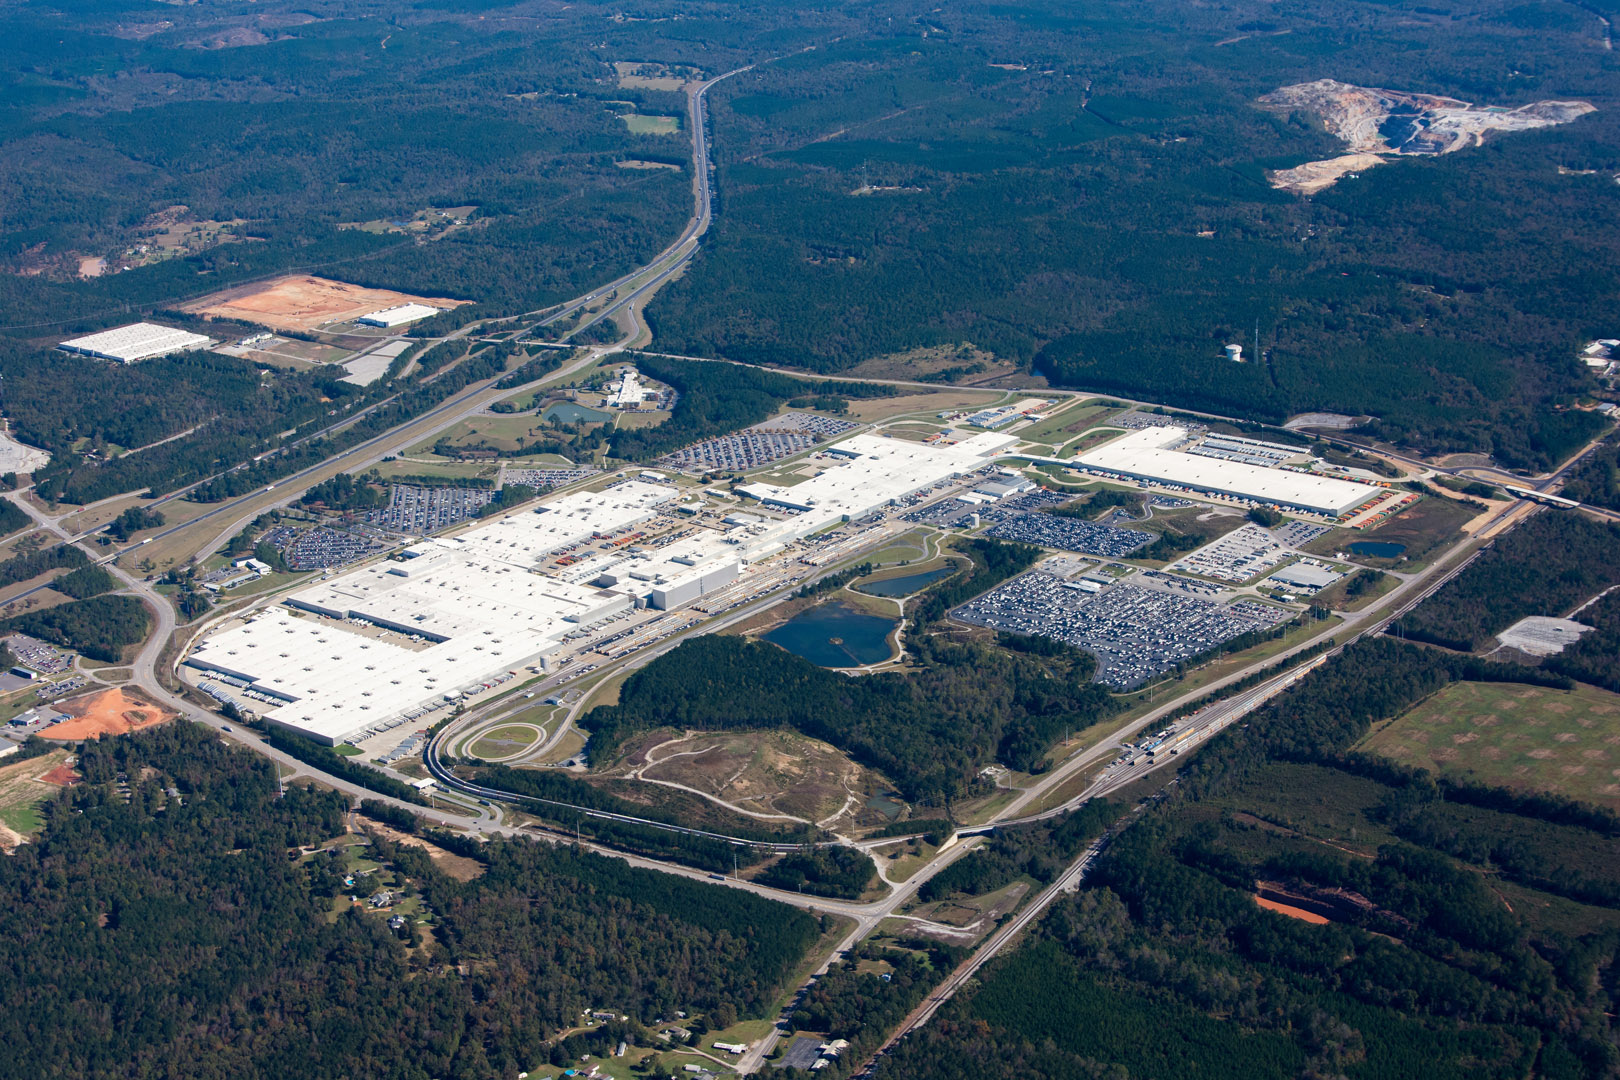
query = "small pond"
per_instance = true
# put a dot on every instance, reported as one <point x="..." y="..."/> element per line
<point x="566" y="412"/>
<point x="1378" y="549"/>
<point x="835" y="636"/>
<point x="904" y="586"/>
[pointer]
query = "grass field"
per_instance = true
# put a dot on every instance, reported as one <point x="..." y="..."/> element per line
<point x="871" y="409"/>
<point x="446" y="469"/>
<point x="651" y="125"/>
<point x="499" y="432"/>
<point x="1063" y="425"/>
<point x="505" y="741"/>
<point x="21" y="792"/>
<point x="1506" y="734"/>
<point x="1424" y="529"/>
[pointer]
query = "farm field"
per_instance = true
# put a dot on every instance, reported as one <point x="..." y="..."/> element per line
<point x="1514" y="736"/>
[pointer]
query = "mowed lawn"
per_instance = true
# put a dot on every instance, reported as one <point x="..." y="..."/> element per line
<point x="1526" y="737"/>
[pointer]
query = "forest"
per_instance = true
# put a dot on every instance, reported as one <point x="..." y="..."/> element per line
<point x="929" y="729"/>
<point x="1084" y="193"/>
<point x="174" y="935"/>
<point x="1416" y="956"/>
<point x="1595" y="479"/>
<point x="101" y="627"/>
<point x="1546" y="566"/>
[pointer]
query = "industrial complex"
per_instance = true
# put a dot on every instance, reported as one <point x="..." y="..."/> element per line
<point x="137" y="341"/>
<point x="1238" y="468"/>
<point x="452" y="615"/>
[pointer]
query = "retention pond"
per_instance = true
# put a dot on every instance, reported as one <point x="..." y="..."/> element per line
<point x="835" y="635"/>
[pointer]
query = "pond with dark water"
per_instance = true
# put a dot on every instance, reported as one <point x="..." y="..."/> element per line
<point x="835" y="636"/>
<point x="566" y="412"/>
<point x="1378" y="549"/>
<point x="904" y="586"/>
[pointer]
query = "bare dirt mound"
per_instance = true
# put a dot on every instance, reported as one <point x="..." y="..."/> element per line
<point x="302" y="302"/>
<point x="110" y="712"/>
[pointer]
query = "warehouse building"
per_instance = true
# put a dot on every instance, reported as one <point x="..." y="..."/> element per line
<point x="1147" y="455"/>
<point x="877" y="471"/>
<point x="397" y="316"/>
<point x="396" y="639"/>
<point x="137" y="341"/>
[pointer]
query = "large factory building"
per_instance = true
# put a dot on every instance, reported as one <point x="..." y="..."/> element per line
<point x="451" y="615"/>
<point x="1148" y="455"/>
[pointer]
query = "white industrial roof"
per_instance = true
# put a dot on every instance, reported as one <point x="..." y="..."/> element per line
<point x="880" y="470"/>
<point x="402" y="313"/>
<point x="1143" y="454"/>
<point x="137" y="341"/>
<point x="473" y="597"/>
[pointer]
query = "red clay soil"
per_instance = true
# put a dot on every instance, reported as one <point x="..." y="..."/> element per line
<point x="61" y="776"/>
<point x="109" y="712"/>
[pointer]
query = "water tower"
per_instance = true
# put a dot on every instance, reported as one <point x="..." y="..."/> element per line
<point x="1234" y="353"/>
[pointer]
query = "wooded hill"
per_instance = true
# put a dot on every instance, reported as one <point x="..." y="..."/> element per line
<point x="1468" y="928"/>
<point x="175" y="935"/>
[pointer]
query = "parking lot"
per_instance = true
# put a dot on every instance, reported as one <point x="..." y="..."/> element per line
<point x="745" y="450"/>
<point x="424" y="510"/>
<point x="825" y="426"/>
<point x="1299" y="533"/>
<point x="36" y="655"/>
<point x="1136" y="633"/>
<point x="540" y="479"/>
<point x="1071" y="534"/>
<point x="317" y="549"/>
<point x="1242" y="554"/>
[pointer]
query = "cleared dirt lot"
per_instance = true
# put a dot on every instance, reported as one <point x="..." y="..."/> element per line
<point x="301" y="302"/>
<point x="110" y="712"/>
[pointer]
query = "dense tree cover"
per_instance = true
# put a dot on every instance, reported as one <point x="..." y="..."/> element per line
<point x="1546" y="566"/>
<point x="717" y="399"/>
<point x="175" y="936"/>
<point x="931" y="729"/>
<point x="102" y="627"/>
<point x="505" y="499"/>
<point x="12" y="517"/>
<point x="1595" y="655"/>
<point x="285" y="140"/>
<point x="1040" y="849"/>
<point x="29" y="564"/>
<point x="135" y="519"/>
<point x="994" y="561"/>
<point x="85" y="582"/>
<point x="1092" y="506"/>
<point x="413" y="402"/>
<point x="346" y="491"/>
<point x="1100" y="209"/>
<point x="329" y="760"/>
<point x="1165" y="966"/>
<point x="836" y="871"/>
<point x="863" y="1006"/>
<point x="1595" y="479"/>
